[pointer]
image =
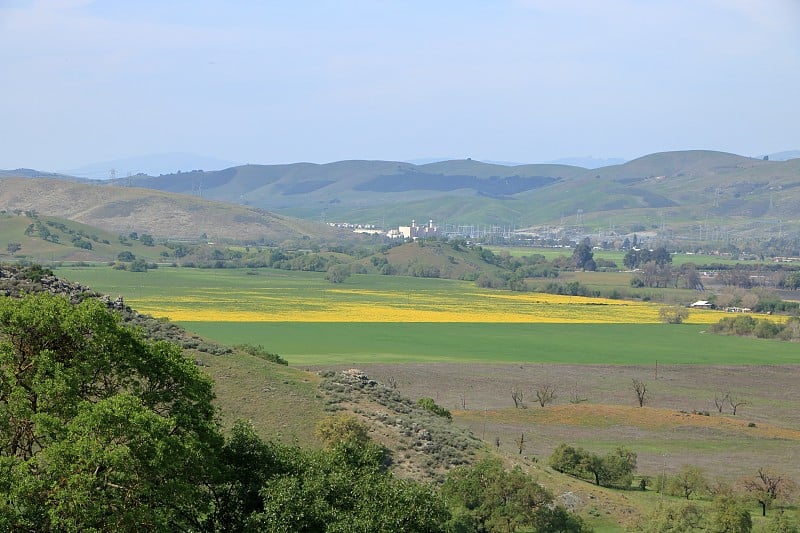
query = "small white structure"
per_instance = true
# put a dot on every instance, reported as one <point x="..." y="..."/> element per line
<point x="413" y="231"/>
<point x="701" y="304"/>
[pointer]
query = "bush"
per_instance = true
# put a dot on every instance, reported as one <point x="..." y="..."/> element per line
<point x="673" y="315"/>
<point x="342" y="428"/>
<point x="260" y="352"/>
<point x="766" y="329"/>
<point x="337" y="273"/>
<point x="429" y="405"/>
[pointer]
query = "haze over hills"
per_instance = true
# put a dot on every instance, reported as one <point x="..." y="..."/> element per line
<point x="588" y="161"/>
<point x="151" y="164"/>
<point x="784" y="156"/>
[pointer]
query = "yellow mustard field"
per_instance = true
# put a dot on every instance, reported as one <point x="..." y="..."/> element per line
<point x="359" y="305"/>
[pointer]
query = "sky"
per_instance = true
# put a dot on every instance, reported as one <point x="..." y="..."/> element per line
<point x="261" y="81"/>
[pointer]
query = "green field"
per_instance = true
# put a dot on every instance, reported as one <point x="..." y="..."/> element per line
<point x="615" y="344"/>
<point x="478" y="362"/>
<point x="614" y="255"/>
<point x="307" y="343"/>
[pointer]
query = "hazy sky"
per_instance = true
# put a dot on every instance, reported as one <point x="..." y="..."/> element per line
<point x="264" y="81"/>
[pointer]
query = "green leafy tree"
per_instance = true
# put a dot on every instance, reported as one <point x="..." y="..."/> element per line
<point x="673" y="315"/>
<point x="430" y="405"/>
<point x="98" y="427"/>
<point x="613" y="470"/>
<point x="341" y="428"/>
<point x="487" y="497"/>
<point x="582" y="255"/>
<point x="567" y="459"/>
<point x="689" y="480"/>
<point x="730" y="517"/>
<point x="337" y="273"/>
<point x="345" y="489"/>
<point x="618" y="467"/>
<point x="673" y="519"/>
<point x="138" y="265"/>
<point x="126" y="256"/>
<point x="102" y="430"/>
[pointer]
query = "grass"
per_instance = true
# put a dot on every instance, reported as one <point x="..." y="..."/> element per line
<point x="617" y="344"/>
<point x="282" y="403"/>
<point x="401" y="319"/>
<point x="665" y="433"/>
<point x="34" y="248"/>
<point x="428" y="359"/>
<point x="239" y="296"/>
<point x="615" y="255"/>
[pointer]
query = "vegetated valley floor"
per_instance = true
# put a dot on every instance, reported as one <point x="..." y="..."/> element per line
<point x="671" y="430"/>
<point x="480" y="362"/>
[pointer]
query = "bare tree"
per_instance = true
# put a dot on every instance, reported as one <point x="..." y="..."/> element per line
<point x="720" y="401"/>
<point x="750" y="299"/>
<point x="517" y="395"/>
<point x="640" y="388"/>
<point x="767" y="487"/>
<point x="735" y="404"/>
<point x="575" y="397"/>
<point x="546" y="394"/>
<point x="520" y="442"/>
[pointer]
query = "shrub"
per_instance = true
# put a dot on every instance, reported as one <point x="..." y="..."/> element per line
<point x="429" y="405"/>
<point x="341" y="429"/>
<point x="260" y="352"/>
<point x="673" y="315"/>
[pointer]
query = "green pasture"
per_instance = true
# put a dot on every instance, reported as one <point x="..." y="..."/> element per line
<point x="614" y="255"/>
<point x="166" y="283"/>
<point x="616" y="344"/>
<point x="307" y="343"/>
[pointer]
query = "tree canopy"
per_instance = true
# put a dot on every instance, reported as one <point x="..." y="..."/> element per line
<point x="103" y="429"/>
<point x="97" y="425"/>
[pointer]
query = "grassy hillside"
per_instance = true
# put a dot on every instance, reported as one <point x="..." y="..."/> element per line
<point x="64" y="243"/>
<point x="682" y="186"/>
<point x="125" y="209"/>
<point x="699" y="193"/>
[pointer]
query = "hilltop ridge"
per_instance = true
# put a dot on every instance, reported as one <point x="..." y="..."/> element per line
<point x="679" y="190"/>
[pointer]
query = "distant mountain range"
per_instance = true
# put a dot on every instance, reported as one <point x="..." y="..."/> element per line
<point x="683" y="189"/>
<point x="588" y="161"/>
<point x="152" y="165"/>
<point x="783" y="156"/>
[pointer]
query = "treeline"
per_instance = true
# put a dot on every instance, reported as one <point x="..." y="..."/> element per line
<point x="748" y="326"/>
<point x="612" y="470"/>
<point x="103" y="429"/>
<point x="729" y="504"/>
<point x="652" y="269"/>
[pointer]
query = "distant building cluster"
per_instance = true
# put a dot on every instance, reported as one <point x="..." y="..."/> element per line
<point x="402" y="232"/>
<point x="357" y="228"/>
<point x="413" y="231"/>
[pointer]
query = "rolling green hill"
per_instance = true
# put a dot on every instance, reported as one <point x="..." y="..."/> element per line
<point x="683" y="187"/>
<point x="686" y="191"/>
